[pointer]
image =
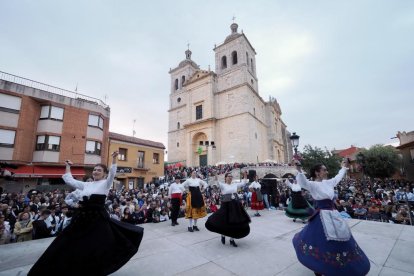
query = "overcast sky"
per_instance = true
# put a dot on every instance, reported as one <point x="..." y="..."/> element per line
<point x="342" y="71"/>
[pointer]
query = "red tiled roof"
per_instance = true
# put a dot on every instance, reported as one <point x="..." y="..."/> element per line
<point x="138" y="141"/>
<point x="348" y="152"/>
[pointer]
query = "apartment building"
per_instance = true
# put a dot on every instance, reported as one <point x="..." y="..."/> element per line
<point x="41" y="126"/>
<point x="139" y="161"/>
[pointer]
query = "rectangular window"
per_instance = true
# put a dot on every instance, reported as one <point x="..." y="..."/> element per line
<point x="199" y="112"/>
<point x="48" y="142"/>
<point x="51" y="112"/>
<point x="10" y="103"/>
<point x="155" y="158"/>
<point x="412" y="154"/>
<point x="141" y="159"/>
<point x="95" y="121"/>
<point x="93" y="147"/>
<point x="122" y="154"/>
<point x="7" y="138"/>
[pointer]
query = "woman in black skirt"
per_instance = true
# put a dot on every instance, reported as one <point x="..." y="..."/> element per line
<point x="299" y="207"/>
<point x="94" y="243"/>
<point x="231" y="219"/>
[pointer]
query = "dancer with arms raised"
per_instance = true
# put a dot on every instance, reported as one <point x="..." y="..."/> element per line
<point x="325" y="245"/>
<point x="93" y="243"/>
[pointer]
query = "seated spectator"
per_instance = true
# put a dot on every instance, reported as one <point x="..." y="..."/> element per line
<point x="164" y="216"/>
<point x="23" y="227"/>
<point x="402" y="216"/>
<point x="213" y="206"/>
<point x="150" y="213"/>
<point x="360" y="212"/>
<point x="116" y="213"/>
<point x="128" y="217"/>
<point x="373" y="208"/>
<point x="345" y="207"/>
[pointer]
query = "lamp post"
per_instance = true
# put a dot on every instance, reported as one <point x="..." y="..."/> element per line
<point x="295" y="143"/>
<point x="213" y="146"/>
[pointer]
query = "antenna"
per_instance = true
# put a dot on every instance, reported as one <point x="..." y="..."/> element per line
<point x="106" y="98"/>
<point x="234" y="18"/>
<point x="133" y="128"/>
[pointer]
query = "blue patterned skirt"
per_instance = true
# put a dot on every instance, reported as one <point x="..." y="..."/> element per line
<point x="315" y="252"/>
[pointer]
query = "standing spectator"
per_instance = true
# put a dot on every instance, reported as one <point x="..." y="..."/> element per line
<point x="5" y="233"/>
<point x="40" y="228"/>
<point x="266" y="190"/>
<point x="65" y="219"/>
<point x="23" y="227"/>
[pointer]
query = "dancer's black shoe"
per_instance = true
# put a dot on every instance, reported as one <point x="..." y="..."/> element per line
<point x="190" y="229"/>
<point x="195" y="228"/>
<point x="232" y="242"/>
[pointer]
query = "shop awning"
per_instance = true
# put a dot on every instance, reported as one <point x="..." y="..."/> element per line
<point x="26" y="171"/>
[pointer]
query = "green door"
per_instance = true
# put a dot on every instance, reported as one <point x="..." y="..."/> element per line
<point x="203" y="160"/>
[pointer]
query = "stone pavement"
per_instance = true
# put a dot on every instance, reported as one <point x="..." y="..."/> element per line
<point x="268" y="250"/>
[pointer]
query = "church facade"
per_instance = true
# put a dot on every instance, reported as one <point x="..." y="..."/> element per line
<point x="218" y="116"/>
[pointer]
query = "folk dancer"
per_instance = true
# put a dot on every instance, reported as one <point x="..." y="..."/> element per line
<point x="231" y="219"/>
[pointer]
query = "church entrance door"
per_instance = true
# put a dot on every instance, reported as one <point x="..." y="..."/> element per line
<point x="203" y="160"/>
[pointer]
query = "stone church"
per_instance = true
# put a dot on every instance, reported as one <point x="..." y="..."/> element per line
<point x="218" y="116"/>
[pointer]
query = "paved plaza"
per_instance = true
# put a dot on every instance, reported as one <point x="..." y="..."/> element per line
<point x="268" y="250"/>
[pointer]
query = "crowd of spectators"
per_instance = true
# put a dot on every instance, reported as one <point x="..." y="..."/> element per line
<point x="171" y="172"/>
<point x="37" y="214"/>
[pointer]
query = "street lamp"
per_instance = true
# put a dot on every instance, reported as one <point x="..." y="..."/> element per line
<point x="295" y="142"/>
<point x="213" y="146"/>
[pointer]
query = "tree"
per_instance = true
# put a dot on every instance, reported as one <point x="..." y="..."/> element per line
<point x="379" y="161"/>
<point x="312" y="156"/>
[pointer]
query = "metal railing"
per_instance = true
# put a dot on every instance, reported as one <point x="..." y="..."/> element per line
<point x="49" y="88"/>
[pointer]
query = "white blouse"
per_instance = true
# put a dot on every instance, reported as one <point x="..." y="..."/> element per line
<point x="194" y="182"/>
<point x="100" y="187"/>
<point x="231" y="188"/>
<point x="295" y="187"/>
<point x="323" y="189"/>
<point x="255" y="185"/>
<point x="176" y="189"/>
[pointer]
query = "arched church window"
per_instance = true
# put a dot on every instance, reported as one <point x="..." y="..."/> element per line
<point x="247" y="58"/>
<point x="178" y="100"/>
<point x="178" y="145"/>
<point x="178" y="125"/>
<point x="176" y="84"/>
<point x="224" y="62"/>
<point x="234" y="57"/>
<point x="251" y="63"/>
<point x="182" y="81"/>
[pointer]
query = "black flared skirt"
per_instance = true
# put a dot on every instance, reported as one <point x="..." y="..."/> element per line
<point x="93" y="244"/>
<point x="298" y="201"/>
<point x="230" y="220"/>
